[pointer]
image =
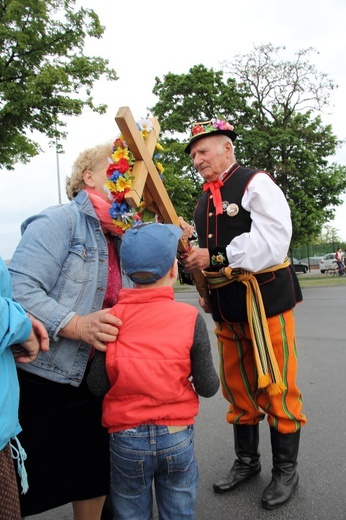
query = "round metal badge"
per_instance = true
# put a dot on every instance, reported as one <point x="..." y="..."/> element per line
<point x="232" y="210"/>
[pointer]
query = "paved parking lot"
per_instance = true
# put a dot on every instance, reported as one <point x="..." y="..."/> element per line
<point x="322" y="460"/>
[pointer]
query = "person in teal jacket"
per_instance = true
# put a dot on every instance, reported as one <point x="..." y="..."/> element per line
<point x="21" y="338"/>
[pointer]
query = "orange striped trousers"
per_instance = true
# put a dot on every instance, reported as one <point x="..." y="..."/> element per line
<point x="238" y="375"/>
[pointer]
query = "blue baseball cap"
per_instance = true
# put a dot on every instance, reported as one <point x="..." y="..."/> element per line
<point x="148" y="251"/>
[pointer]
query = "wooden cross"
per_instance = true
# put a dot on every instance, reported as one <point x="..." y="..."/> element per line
<point x="144" y="170"/>
<point x="147" y="177"/>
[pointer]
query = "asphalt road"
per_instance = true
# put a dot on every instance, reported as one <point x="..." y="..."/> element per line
<point x="322" y="458"/>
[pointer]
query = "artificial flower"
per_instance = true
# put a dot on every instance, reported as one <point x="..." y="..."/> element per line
<point x="219" y="258"/>
<point x="211" y="126"/>
<point x="123" y="183"/>
<point x="160" y="168"/>
<point x="221" y="124"/>
<point x="120" y="181"/>
<point x="198" y="129"/>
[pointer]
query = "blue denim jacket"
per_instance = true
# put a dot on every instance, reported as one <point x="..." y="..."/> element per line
<point x="60" y="268"/>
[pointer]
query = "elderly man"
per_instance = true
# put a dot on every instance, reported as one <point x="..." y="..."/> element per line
<point x="244" y="230"/>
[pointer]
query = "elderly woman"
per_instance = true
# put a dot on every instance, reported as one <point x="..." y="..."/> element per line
<point x="65" y="272"/>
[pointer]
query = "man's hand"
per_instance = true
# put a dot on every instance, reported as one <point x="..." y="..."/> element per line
<point x="206" y="305"/>
<point x="196" y="260"/>
<point x="188" y="230"/>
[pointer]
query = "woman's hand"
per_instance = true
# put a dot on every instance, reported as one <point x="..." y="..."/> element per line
<point x="96" y="328"/>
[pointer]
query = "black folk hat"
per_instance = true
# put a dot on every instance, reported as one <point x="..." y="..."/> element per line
<point x="208" y="128"/>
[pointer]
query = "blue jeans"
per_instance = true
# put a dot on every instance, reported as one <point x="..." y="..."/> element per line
<point x="147" y="454"/>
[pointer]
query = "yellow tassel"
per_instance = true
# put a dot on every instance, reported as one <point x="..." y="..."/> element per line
<point x="275" y="388"/>
<point x="264" y="381"/>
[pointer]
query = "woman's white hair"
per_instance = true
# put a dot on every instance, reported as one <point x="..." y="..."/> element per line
<point x="90" y="159"/>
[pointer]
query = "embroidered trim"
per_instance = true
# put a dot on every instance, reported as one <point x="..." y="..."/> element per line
<point x="218" y="259"/>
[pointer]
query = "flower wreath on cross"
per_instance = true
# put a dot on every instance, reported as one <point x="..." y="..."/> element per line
<point x="119" y="173"/>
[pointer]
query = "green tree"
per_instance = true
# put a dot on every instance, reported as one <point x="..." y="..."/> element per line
<point x="276" y="107"/>
<point x="183" y="99"/>
<point x="286" y="136"/>
<point x="329" y="234"/>
<point x="44" y="73"/>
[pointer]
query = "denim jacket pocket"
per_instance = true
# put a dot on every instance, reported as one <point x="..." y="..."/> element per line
<point x="79" y="263"/>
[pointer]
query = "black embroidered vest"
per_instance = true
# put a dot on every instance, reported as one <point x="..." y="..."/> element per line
<point x="280" y="289"/>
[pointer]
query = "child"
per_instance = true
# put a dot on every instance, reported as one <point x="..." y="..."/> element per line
<point x="159" y="363"/>
<point x="21" y="338"/>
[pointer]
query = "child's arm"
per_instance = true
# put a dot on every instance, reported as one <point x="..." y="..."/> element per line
<point x="97" y="378"/>
<point x="205" y="378"/>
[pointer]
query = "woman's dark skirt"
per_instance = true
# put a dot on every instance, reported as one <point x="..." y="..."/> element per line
<point x="67" y="447"/>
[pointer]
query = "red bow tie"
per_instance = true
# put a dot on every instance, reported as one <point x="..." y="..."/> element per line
<point x="214" y="187"/>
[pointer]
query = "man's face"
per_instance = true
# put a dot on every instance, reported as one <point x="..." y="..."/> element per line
<point x="211" y="157"/>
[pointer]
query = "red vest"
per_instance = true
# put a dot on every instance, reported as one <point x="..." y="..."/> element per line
<point x="149" y="364"/>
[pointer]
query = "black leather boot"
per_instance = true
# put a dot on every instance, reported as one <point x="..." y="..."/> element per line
<point x="284" y="473"/>
<point x="247" y="464"/>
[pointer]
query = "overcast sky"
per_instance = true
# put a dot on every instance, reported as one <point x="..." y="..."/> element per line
<point x="148" y="39"/>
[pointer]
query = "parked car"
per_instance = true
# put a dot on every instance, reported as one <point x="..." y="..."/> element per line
<point x="299" y="266"/>
<point x="327" y="262"/>
<point x="312" y="261"/>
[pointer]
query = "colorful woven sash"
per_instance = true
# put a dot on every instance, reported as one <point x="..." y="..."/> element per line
<point x="269" y="376"/>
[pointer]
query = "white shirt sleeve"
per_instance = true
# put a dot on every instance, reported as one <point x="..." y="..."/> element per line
<point x="267" y="242"/>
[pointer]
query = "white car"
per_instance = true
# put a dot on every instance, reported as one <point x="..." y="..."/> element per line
<point x="327" y="262"/>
